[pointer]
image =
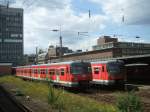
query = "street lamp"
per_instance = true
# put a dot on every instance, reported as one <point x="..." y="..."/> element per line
<point x="60" y="42"/>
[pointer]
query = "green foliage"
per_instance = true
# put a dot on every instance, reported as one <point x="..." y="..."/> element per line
<point x="60" y="100"/>
<point x="129" y="103"/>
<point x="54" y="98"/>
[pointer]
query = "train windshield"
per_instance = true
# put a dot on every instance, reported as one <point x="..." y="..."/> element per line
<point x="115" y="67"/>
<point x="80" y="68"/>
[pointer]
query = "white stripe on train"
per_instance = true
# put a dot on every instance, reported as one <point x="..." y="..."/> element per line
<point x="105" y="82"/>
<point x="55" y="81"/>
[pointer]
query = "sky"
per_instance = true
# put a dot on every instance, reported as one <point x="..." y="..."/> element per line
<point x="124" y="18"/>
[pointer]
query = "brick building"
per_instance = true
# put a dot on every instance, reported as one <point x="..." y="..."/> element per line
<point x="55" y="51"/>
<point x="5" y="68"/>
<point x="106" y="39"/>
<point x="107" y="48"/>
<point x="90" y="55"/>
<point x="124" y="48"/>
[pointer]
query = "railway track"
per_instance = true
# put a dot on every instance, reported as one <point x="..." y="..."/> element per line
<point x="10" y="104"/>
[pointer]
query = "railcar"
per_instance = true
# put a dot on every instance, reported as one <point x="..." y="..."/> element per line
<point x="69" y="74"/>
<point x="110" y="72"/>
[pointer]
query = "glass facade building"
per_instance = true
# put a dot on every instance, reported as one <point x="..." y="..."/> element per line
<point x="11" y="35"/>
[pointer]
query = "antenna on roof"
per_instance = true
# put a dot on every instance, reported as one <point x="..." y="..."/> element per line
<point x="6" y="3"/>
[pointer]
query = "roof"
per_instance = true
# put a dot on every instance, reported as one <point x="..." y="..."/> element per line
<point x="68" y="62"/>
<point x="106" y="61"/>
<point x="5" y="64"/>
<point x="136" y="64"/>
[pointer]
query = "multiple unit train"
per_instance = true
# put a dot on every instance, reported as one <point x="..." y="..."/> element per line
<point x="69" y="74"/>
<point x="108" y="72"/>
<point x="75" y="73"/>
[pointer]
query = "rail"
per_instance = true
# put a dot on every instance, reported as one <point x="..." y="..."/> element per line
<point x="10" y="104"/>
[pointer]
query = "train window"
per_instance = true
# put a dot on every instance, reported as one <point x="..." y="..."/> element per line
<point x="52" y="71"/>
<point x="89" y="70"/>
<point x="96" y="70"/>
<point x="35" y="71"/>
<point x="42" y="71"/>
<point x="30" y="71"/>
<point x="62" y="71"/>
<point x="67" y="70"/>
<point x="102" y="68"/>
<point x="24" y="71"/>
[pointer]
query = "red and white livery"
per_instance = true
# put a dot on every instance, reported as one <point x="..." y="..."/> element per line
<point x="70" y="74"/>
<point x="108" y="72"/>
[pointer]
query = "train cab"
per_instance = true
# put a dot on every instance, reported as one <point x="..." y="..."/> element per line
<point x="108" y="72"/>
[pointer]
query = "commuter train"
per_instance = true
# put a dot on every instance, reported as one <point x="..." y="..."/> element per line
<point x="110" y="72"/>
<point x="67" y="74"/>
<point x="76" y="73"/>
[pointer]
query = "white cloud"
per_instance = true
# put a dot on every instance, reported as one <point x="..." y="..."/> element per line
<point x="44" y="16"/>
<point x="134" y="11"/>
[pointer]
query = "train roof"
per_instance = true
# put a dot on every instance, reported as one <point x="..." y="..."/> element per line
<point x="96" y="62"/>
<point x="136" y="64"/>
<point x="68" y="62"/>
<point x="27" y="66"/>
<point x="60" y="63"/>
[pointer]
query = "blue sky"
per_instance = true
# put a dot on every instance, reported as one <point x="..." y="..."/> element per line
<point x="41" y="16"/>
<point x="84" y="6"/>
<point x="121" y="29"/>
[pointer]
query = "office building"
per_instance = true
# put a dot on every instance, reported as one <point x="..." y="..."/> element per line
<point x="11" y="35"/>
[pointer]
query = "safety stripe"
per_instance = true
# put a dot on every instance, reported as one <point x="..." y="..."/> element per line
<point x="55" y="81"/>
<point x="66" y="82"/>
<point x="106" y="81"/>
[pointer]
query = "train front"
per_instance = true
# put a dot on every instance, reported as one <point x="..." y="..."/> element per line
<point x="81" y="73"/>
<point x="116" y="72"/>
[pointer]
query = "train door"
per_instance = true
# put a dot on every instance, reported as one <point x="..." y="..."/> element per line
<point x="63" y="74"/>
<point x="103" y="74"/>
<point x="32" y="72"/>
<point x="96" y="72"/>
<point x="39" y="73"/>
<point x="57" y="75"/>
<point x="67" y="74"/>
<point x="46" y="74"/>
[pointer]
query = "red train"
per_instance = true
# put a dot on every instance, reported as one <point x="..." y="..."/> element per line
<point x="69" y="74"/>
<point x="75" y="74"/>
<point x="108" y="72"/>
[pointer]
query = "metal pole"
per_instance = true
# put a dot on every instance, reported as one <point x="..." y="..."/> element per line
<point x="60" y="40"/>
<point x="60" y="52"/>
<point x="36" y="55"/>
<point x="138" y="42"/>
